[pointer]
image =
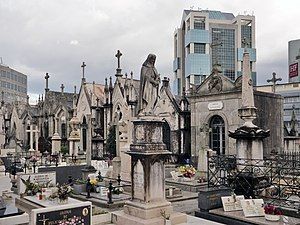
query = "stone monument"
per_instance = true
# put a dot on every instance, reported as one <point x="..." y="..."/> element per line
<point x="249" y="139"/>
<point x="56" y="139"/>
<point x="74" y="137"/>
<point x="148" y="152"/>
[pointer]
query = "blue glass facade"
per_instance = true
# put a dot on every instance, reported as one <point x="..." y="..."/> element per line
<point x="196" y="36"/>
<point x="252" y="54"/>
<point x="197" y="64"/>
<point x="176" y="64"/>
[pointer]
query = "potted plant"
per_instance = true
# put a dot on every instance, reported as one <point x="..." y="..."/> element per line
<point x="272" y="213"/>
<point x="63" y="192"/>
<point x="166" y="217"/>
<point x="79" y="186"/>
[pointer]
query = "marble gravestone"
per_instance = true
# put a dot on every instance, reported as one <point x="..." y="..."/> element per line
<point x="40" y="178"/>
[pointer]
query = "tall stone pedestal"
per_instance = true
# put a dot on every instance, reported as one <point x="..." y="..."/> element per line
<point x="56" y="143"/>
<point x="148" y="203"/>
<point x="116" y="163"/>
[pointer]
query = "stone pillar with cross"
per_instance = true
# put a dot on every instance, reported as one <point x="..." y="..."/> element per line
<point x="62" y="87"/>
<point x="119" y="70"/>
<point x="273" y="81"/>
<point x="56" y="139"/>
<point x="33" y="131"/>
<point x="47" y="80"/>
<point x="83" y="75"/>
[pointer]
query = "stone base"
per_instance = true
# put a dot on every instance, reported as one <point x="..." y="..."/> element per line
<point x="116" y="163"/>
<point x="121" y="218"/>
<point x="86" y="171"/>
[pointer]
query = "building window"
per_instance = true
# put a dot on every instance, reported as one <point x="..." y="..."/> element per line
<point x="199" y="25"/>
<point x="199" y="48"/>
<point x="217" y="134"/>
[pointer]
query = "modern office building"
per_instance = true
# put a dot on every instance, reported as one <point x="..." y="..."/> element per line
<point x="291" y="103"/>
<point x="206" y="38"/>
<point x="294" y="60"/>
<point x="13" y="84"/>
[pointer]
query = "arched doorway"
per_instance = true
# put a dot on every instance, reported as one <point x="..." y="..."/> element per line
<point x="84" y="130"/>
<point x="217" y="134"/>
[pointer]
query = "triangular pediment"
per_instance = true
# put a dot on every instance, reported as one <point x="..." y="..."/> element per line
<point x="216" y="83"/>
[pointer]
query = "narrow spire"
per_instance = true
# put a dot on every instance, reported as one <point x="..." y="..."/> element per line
<point x="74" y="89"/>
<point x="110" y="84"/>
<point x="27" y="99"/>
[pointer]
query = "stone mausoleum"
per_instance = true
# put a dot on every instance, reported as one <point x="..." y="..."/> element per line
<point x="214" y="111"/>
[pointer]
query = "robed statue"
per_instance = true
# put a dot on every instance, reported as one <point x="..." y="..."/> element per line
<point x="149" y="87"/>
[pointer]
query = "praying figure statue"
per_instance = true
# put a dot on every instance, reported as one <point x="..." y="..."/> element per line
<point x="149" y="87"/>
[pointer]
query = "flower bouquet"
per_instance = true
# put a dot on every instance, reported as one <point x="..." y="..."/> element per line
<point x="30" y="187"/>
<point x="63" y="192"/>
<point x="187" y="171"/>
<point x="272" y="213"/>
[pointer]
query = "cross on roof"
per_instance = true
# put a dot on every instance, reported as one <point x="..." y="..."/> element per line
<point x="273" y="81"/>
<point x="62" y="88"/>
<point x="47" y="76"/>
<point x="118" y="55"/>
<point x="83" y="65"/>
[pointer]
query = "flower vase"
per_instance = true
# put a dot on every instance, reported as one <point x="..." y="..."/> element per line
<point x="63" y="200"/>
<point x="271" y="217"/>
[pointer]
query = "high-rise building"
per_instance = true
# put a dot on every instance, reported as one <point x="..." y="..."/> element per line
<point x="206" y="38"/>
<point x="294" y="60"/>
<point x="13" y="84"/>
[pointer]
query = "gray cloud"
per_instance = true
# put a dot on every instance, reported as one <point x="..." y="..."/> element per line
<point x="40" y="36"/>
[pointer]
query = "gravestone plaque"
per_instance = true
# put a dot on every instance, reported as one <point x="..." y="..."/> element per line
<point x="76" y="214"/>
<point x="253" y="207"/>
<point x="232" y="203"/>
<point x="40" y="178"/>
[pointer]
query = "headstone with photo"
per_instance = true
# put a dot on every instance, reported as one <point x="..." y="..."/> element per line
<point x="79" y="213"/>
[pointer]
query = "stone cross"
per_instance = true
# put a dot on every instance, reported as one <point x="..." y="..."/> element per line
<point x="62" y="88"/>
<point x="44" y="220"/>
<point x="118" y="55"/>
<point x="83" y="65"/>
<point x="273" y="81"/>
<point x="32" y="131"/>
<point x="47" y="79"/>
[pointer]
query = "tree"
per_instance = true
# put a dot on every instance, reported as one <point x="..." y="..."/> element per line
<point x="111" y="141"/>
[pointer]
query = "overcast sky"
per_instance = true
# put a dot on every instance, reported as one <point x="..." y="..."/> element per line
<point x="55" y="36"/>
